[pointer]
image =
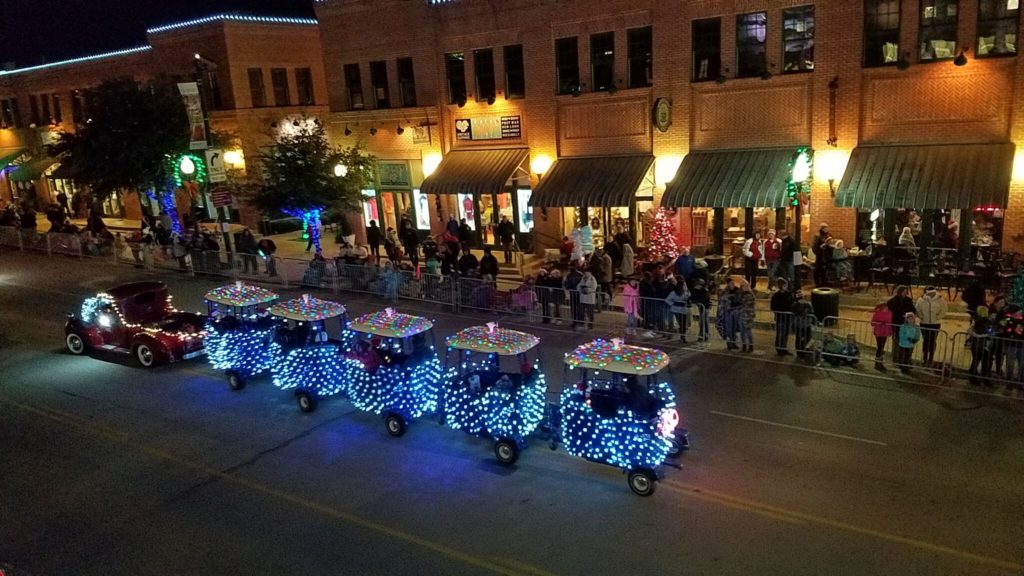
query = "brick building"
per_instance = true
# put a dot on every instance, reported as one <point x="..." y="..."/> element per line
<point x="265" y="73"/>
<point x="911" y="110"/>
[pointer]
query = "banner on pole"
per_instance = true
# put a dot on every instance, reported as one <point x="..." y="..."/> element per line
<point x="194" y="108"/>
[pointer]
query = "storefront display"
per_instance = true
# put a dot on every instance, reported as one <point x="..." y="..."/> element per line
<point x="525" y="211"/>
<point x="422" y="209"/>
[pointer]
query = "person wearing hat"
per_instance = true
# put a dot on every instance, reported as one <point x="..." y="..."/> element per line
<point x="931" y="308"/>
<point x="701" y="298"/>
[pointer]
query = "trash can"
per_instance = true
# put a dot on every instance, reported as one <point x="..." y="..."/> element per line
<point x="825" y="302"/>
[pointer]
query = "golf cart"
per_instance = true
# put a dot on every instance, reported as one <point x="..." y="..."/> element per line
<point x="240" y="331"/>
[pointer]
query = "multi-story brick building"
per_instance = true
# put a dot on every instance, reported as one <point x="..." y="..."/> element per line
<point x="909" y="108"/>
<point x="260" y="74"/>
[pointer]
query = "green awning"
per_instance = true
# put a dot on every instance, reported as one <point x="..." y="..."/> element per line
<point x="927" y="177"/>
<point x="8" y="155"/>
<point x="31" y="170"/>
<point x="474" y="171"/>
<point x="604" y="181"/>
<point x="732" y="179"/>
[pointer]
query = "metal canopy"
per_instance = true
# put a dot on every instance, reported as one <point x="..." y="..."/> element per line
<point x="604" y="181"/>
<point x="474" y="171"/>
<point x="927" y="177"/>
<point x="732" y="178"/>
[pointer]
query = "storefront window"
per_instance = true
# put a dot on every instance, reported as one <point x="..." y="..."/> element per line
<point x="525" y="211"/>
<point x="370" y="211"/>
<point x="467" y="210"/>
<point x="422" y="209"/>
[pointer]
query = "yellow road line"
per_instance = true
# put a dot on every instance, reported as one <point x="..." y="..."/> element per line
<point x="513" y="569"/>
<point x="791" y="515"/>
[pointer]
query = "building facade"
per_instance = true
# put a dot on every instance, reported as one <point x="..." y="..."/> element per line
<point x="260" y="75"/>
<point x="894" y="114"/>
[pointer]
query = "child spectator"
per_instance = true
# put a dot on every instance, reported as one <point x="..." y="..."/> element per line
<point x="631" y="304"/>
<point x="881" y="325"/>
<point x="909" y="335"/>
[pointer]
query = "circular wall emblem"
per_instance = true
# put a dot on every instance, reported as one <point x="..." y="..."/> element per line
<point x="662" y="114"/>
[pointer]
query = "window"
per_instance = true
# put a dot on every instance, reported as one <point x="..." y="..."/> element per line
<point x="602" y="61"/>
<point x="707" y="49"/>
<point x="45" y="100"/>
<point x="751" y="30"/>
<point x="455" y="65"/>
<point x="77" y="112"/>
<point x="936" y="34"/>
<point x="483" y="67"/>
<point x="639" y="54"/>
<point x="15" y="113"/>
<point x="406" y="82"/>
<point x="515" y="77"/>
<point x="33" y="105"/>
<point x="304" y="86"/>
<point x="6" y="117"/>
<point x="58" y="115"/>
<point x="798" y="39"/>
<point x="379" y="82"/>
<point x="881" y="32"/>
<point x="354" y="82"/>
<point x="212" y="85"/>
<point x="567" y="65"/>
<point x="256" y="88"/>
<point x="997" y="27"/>
<point x="279" y="80"/>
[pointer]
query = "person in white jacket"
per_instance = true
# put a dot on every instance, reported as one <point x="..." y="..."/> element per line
<point x="931" y="309"/>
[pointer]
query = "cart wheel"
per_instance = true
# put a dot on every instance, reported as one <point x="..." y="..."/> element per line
<point x="395" y="424"/>
<point x="307" y="402"/>
<point x="145" y="355"/>
<point x="678" y="443"/>
<point x="642" y="481"/>
<point x="506" y="451"/>
<point x="75" y="344"/>
<point x="235" y="380"/>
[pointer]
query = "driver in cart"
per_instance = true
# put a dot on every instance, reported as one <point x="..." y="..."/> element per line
<point x="365" y="354"/>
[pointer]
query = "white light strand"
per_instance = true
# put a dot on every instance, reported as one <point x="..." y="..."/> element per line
<point x="233" y="18"/>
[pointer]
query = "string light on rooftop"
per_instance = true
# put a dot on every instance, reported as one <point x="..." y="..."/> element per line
<point x="233" y="18"/>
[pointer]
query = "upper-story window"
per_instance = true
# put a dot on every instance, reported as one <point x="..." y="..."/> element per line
<point x="15" y="113"/>
<point x="33" y="109"/>
<point x="6" y="117"/>
<point x="257" y="91"/>
<point x="937" y="29"/>
<point x="279" y="80"/>
<point x="379" y="81"/>
<point x="602" y="61"/>
<point x="798" y="39"/>
<point x="998" y="21"/>
<point x="751" y="33"/>
<point x="640" y="56"/>
<point x="58" y="114"/>
<point x="707" y="49"/>
<point x="354" y="83"/>
<point x="455" y="65"/>
<point x="483" y="68"/>
<point x="44" y="99"/>
<point x="515" y="75"/>
<point x="304" y="86"/>
<point x="881" y="32"/>
<point x="406" y="82"/>
<point x="567" y="65"/>
<point x="77" y="110"/>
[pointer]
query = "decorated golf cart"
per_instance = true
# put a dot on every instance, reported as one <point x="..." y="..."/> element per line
<point x="393" y="368"/>
<point x="240" y="331"/>
<point x="492" y="389"/>
<point x="618" y="408"/>
<point x="313" y="337"/>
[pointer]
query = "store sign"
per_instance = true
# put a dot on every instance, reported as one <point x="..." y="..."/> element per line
<point x="220" y="197"/>
<point x="489" y="128"/>
<point x="393" y="174"/>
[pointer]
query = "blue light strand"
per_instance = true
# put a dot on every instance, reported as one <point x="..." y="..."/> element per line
<point x="246" y="349"/>
<point x="78" y="60"/>
<point x="316" y="368"/>
<point x="409" y="390"/>
<point x="233" y="18"/>
<point x="499" y="411"/>
<point x="92" y="305"/>
<point x="626" y="440"/>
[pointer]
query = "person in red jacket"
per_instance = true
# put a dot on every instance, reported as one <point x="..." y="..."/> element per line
<point x="881" y="325"/>
<point x="772" y="257"/>
<point x="753" y="254"/>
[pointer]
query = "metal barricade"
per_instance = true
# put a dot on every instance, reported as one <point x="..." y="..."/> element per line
<point x="62" y="243"/>
<point x="10" y="236"/>
<point x="929" y="352"/>
<point x="986" y="360"/>
<point x="31" y="239"/>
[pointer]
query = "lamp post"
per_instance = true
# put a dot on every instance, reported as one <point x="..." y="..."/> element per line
<point x="202" y="67"/>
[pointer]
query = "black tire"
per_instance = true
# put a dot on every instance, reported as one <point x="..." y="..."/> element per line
<point x="75" y="344"/>
<point x="146" y="355"/>
<point x="235" y="380"/>
<point x="642" y="481"/>
<point x="307" y="401"/>
<point x="395" y="424"/>
<point x="506" y="451"/>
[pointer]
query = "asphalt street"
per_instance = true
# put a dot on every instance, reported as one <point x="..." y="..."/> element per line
<point x="106" y="468"/>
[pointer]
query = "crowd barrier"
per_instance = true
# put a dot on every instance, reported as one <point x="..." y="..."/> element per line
<point x="944" y="356"/>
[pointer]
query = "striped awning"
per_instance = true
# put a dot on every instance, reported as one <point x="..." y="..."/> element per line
<point x="592" y="181"/>
<point x="31" y="170"/>
<point x="8" y="155"/>
<point x="927" y="177"/>
<point x="474" y="171"/>
<point x="732" y="179"/>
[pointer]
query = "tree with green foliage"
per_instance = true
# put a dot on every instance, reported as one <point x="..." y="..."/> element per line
<point x="304" y="176"/>
<point x="124" y="143"/>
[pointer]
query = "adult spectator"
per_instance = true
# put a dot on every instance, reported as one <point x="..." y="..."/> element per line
<point x="410" y="241"/>
<point x="571" y="285"/>
<point x="246" y="245"/>
<point x="746" y="315"/>
<point x="820" y="250"/>
<point x="685" y="265"/>
<point x="931" y="308"/>
<point x="803" y="322"/>
<point x="468" y="263"/>
<point x="266" y="249"/>
<point x="701" y="298"/>
<point x="506" y="235"/>
<point x="753" y="253"/>
<point x="465" y="234"/>
<point x="452" y="226"/>
<point x="373" y="238"/>
<point x="614" y="251"/>
<point x="899" y="305"/>
<point x="627" y="268"/>
<point x="782" y="310"/>
<point x="587" y="289"/>
<point x="980" y="338"/>
<point x="678" y="303"/>
<point x="488" y="264"/>
<point x="974" y="297"/>
<point x="772" y="254"/>
<point x="787" y="250"/>
<point x="997" y="316"/>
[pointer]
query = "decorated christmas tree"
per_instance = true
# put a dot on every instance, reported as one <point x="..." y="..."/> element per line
<point x="1017" y="291"/>
<point x="662" y="240"/>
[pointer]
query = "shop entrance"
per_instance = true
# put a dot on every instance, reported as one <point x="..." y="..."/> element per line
<point x="483" y="212"/>
<point x="605" y="222"/>
<point x="387" y="208"/>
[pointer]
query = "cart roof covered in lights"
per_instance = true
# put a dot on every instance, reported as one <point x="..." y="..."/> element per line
<point x="307" y="309"/>
<point x="491" y="339"/>
<point x="390" y="324"/>
<point x="614" y="356"/>
<point x="241" y="295"/>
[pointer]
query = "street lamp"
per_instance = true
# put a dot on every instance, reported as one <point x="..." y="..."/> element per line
<point x="340" y="170"/>
<point x="187" y="166"/>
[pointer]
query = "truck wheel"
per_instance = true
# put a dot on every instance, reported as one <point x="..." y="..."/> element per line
<point x="75" y="344"/>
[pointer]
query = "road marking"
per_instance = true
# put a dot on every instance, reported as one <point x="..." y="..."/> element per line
<point x="800" y="428"/>
<point x="799" y="517"/>
<point x="103" y="431"/>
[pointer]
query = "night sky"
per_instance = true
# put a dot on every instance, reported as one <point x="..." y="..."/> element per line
<point x="37" y="31"/>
